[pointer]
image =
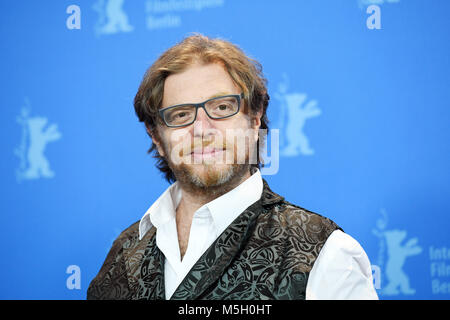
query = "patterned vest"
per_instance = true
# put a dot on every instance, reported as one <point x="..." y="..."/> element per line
<point x="267" y="252"/>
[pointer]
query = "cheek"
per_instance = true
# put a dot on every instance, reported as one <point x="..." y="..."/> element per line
<point x="240" y="135"/>
<point x="177" y="144"/>
<point x="176" y="137"/>
<point x="242" y="127"/>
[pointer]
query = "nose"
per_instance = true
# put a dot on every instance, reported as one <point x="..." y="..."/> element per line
<point x="202" y="124"/>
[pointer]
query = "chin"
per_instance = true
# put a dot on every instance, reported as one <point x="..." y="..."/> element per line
<point x="204" y="177"/>
<point x="210" y="175"/>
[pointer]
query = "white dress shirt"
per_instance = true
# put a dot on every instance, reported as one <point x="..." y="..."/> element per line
<point x="341" y="271"/>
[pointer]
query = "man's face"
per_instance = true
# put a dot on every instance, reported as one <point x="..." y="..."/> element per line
<point x="206" y="153"/>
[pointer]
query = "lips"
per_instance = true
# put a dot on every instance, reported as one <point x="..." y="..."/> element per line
<point x="206" y="151"/>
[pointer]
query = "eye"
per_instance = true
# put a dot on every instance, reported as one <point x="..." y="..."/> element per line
<point x="180" y="114"/>
<point x="177" y="115"/>
<point x="223" y="107"/>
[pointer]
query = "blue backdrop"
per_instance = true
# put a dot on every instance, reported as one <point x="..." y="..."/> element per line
<point x="360" y="96"/>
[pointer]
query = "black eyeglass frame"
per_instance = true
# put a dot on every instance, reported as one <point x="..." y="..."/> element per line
<point x="201" y="105"/>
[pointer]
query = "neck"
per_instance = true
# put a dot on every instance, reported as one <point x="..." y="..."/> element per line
<point x="194" y="198"/>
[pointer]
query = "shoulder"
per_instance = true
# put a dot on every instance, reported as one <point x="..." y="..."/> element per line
<point x="342" y="246"/>
<point x="295" y="218"/>
<point x="112" y="273"/>
<point x="130" y="235"/>
<point x="342" y="271"/>
<point x="128" y="238"/>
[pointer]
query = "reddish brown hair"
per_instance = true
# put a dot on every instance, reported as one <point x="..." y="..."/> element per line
<point x="245" y="72"/>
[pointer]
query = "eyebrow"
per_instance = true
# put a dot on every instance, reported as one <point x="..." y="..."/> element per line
<point x="218" y="94"/>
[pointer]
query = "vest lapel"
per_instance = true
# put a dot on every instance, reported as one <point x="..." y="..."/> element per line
<point x="145" y="268"/>
<point x="218" y="256"/>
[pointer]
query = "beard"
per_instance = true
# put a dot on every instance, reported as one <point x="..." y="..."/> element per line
<point x="209" y="179"/>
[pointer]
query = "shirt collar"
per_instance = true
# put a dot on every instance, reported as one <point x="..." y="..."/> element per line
<point x="223" y="209"/>
<point x="162" y="210"/>
<point x="230" y="205"/>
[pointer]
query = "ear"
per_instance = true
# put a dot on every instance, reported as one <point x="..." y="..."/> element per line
<point x="256" y="120"/>
<point x="156" y="139"/>
<point x="256" y="123"/>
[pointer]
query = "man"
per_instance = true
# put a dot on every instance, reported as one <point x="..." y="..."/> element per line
<point x="219" y="232"/>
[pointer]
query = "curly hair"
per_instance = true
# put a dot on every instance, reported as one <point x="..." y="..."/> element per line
<point x="244" y="71"/>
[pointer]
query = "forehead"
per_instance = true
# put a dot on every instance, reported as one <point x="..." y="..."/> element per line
<point x="197" y="83"/>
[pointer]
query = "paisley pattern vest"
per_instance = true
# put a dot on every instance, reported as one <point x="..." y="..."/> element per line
<point x="267" y="252"/>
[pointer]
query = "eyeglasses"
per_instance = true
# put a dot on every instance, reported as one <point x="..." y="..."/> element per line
<point x="185" y="114"/>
